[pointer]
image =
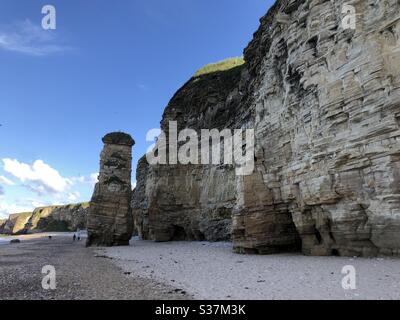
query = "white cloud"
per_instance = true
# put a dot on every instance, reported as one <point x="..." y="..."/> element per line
<point x="73" y="196"/>
<point x="41" y="177"/>
<point x="25" y="205"/>
<point x="94" y="178"/>
<point x="37" y="204"/>
<point x="75" y="180"/>
<point x="43" y="180"/>
<point x="29" y="38"/>
<point x="6" y="181"/>
<point x="6" y="209"/>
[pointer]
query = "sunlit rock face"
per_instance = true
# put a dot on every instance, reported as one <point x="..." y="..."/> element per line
<point x="45" y="219"/>
<point x="325" y="105"/>
<point x="326" y="108"/>
<point x="15" y="224"/>
<point x="110" y="220"/>
<point x="58" y="218"/>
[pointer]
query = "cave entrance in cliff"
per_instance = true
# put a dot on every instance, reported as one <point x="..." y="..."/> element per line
<point x="291" y="234"/>
<point x="178" y="233"/>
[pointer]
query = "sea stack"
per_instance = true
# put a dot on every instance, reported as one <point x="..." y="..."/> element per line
<point x="110" y="220"/>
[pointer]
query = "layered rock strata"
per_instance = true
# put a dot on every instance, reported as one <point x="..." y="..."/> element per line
<point x="326" y="103"/>
<point x="191" y="202"/>
<point x="324" y="100"/>
<point x="53" y="218"/>
<point x="15" y="224"/>
<point x="110" y="220"/>
<point x="59" y="218"/>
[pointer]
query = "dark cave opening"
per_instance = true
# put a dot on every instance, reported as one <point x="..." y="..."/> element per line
<point x="179" y="233"/>
<point x="335" y="253"/>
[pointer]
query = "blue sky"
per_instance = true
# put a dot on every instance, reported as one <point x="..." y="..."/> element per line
<point x="109" y="66"/>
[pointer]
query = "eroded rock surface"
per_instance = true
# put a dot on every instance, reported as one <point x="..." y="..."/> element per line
<point x="15" y="224"/>
<point x="110" y="220"/>
<point x="59" y="218"/>
<point x="191" y="202"/>
<point x="325" y="105"/>
<point x="45" y="219"/>
<point x="2" y="224"/>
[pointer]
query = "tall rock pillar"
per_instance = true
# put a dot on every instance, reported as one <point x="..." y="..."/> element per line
<point x="110" y="221"/>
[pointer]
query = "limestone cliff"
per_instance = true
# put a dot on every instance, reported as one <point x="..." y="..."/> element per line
<point x="59" y="218"/>
<point x="325" y="105"/>
<point x="53" y="218"/>
<point x="110" y="221"/>
<point x="2" y="223"/>
<point x="192" y="202"/>
<point x="15" y="224"/>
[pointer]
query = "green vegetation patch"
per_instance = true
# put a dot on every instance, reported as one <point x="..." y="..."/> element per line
<point x="83" y="205"/>
<point x="220" y="66"/>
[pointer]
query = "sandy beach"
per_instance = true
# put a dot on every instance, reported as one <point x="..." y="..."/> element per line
<point x="183" y="270"/>
<point x="81" y="273"/>
<point x="212" y="271"/>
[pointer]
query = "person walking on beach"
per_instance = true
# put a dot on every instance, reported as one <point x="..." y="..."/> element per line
<point x="74" y="237"/>
<point x="79" y="235"/>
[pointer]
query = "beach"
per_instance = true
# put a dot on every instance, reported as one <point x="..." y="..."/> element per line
<point x="213" y="271"/>
<point x="183" y="270"/>
<point x="81" y="273"/>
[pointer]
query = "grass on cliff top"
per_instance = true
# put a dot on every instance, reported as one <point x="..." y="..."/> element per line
<point x="220" y="66"/>
<point x="83" y="205"/>
<point x="72" y="206"/>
